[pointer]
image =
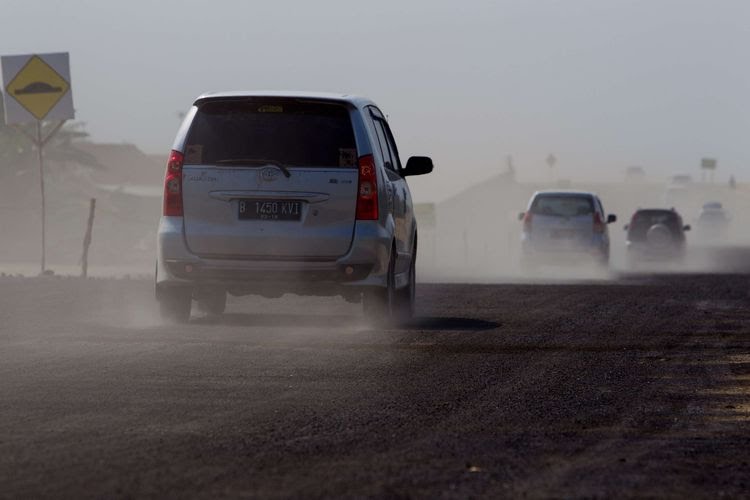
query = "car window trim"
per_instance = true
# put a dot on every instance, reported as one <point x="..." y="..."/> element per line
<point x="377" y="117"/>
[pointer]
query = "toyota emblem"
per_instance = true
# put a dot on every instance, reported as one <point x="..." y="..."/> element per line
<point x="269" y="174"/>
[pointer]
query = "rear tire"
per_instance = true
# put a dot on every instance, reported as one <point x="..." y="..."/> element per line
<point x="603" y="260"/>
<point x="633" y="263"/>
<point x="378" y="303"/>
<point x="213" y="302"/>
<point x="528" y="265"/>
<point x="406" y="297"/>
<point x="174" y="303"/>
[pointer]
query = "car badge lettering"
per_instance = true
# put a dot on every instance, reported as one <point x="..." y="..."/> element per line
<point x="203" y="177"/>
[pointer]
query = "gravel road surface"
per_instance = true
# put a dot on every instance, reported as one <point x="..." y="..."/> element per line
<point x="633" y="387"/>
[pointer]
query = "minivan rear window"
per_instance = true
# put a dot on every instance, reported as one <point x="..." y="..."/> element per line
<point x="562" y="205"/>
<point x="286" y="131"/>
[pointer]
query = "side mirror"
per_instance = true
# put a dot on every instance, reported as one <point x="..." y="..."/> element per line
<point x="521" y="215"/>
<point x="626" y="227"/>
<point x="611" y="218"/>
<point x="686" y="227"/>
<point x="417" y="165"/>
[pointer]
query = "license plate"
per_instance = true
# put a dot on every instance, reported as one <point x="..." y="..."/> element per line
<point x="270" y="209"/>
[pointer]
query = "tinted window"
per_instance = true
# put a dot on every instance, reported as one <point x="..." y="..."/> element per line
<point x="311" y="134"/>
<point x="562" y="205"/>
<point x="643" y="220"/>
<point x="392" y="146"/>
<point x="383" y="143"/>
<point x="599" y="207"/>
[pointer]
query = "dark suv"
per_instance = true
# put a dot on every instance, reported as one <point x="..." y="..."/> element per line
<point x="656" y="234"/>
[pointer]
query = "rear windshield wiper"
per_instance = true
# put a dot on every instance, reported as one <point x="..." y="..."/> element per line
<point x="255" y="161"/>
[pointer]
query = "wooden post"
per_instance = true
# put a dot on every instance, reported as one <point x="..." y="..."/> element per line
<point x="87" y="239"/>
<point x="466" y="247"/>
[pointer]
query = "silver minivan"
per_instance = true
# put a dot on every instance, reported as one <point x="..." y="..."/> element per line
<point x="565" y="225"/>
<point x="270" y="193"/>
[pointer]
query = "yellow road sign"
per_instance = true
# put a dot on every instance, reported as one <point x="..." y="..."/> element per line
<point x="37" y="87"/>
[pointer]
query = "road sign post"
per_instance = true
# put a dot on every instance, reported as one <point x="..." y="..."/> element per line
<point x="551" y="160"/>
<point x="36" y="88"/>
<point x="709" y="165"/>
<point x="40" y="153"/>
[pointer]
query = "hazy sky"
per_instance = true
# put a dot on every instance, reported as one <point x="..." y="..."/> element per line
<point x="603" y="84"/>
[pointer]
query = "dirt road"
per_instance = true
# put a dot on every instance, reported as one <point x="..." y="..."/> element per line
<point x="637" y="387"/>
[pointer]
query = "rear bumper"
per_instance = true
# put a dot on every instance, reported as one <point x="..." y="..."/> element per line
<point x="641" y="251"/>
<point x="208" y="271"/>
<point x="564" y="250"/>
<point x="364" y="265"/>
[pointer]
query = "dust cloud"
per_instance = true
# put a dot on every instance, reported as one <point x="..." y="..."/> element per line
<point x="472" y="236"/>
<point x="126" y="183"/>
<point x="476" y="235"/>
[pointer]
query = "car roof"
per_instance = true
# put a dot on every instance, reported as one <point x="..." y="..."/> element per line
<point x="323" y="96"/>
<point x="658" y="210"/>
<point x="564" y="192"/>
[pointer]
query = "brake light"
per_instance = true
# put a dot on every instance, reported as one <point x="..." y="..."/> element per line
<point x="599" y="225"/>
<point x="527" y="221"/>
<point x="367" y="189"/>
<point x="173" y="185"/>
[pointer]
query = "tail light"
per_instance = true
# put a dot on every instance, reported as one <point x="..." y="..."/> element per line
<point x="367" y="190"/>
<point x="599" y="225"/>
<point x="527" y="221"/>
<point x="173" y="185"/>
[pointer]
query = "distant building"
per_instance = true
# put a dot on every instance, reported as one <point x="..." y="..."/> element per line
<point x="125" y="164"/>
